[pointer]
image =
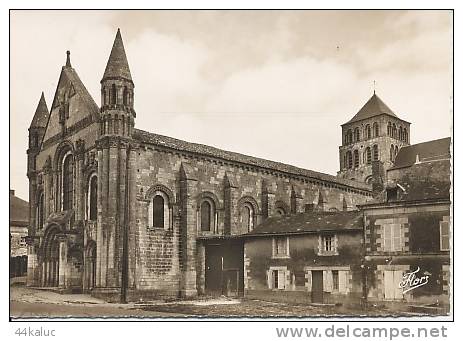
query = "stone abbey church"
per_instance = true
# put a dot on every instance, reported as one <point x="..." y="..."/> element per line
<point x="116" y="210"/>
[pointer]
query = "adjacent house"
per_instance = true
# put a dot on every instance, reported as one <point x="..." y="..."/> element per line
<point x="407" y="228"/>
<point x="19" y="222"/>
<point x="306" y="257"/>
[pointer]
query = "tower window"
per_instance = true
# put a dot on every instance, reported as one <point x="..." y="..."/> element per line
<point x="405" y="135"/>
<point x="125" y="97"/>
<point x="349" y="159"/>
<point x="357" y="134"/>
<point x="40" y="213"/>
<point x="356" y="159"/>
<point x="375" y="129"/>
<point x="375" y="152"/>
<point x="113" y="94"/>
<point x="367" y="132"/>
<point x="368" y="155"/>
<point x="389" y="129"/>
<point x="391" y="153"/>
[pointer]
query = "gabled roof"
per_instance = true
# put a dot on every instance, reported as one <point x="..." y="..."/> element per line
<point x="310" y="222"/>
<point x="41" y="114"/>
<point x="169" y="142"/>
<point x="426" y="151"/>
<point x="117" y="66"/>
<point x="19" y="210"/>
<point x="374" y="107"/>
<point x="81" y="90"/>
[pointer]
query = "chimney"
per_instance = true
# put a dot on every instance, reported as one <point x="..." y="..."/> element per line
<point x="11" y="191"/>
<point x="377" y="168"/>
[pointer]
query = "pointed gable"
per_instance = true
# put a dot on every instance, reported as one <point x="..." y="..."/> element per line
<point x="374" y="107"/>
<point x="117" y="66"/>
<point x="41" y="114"/>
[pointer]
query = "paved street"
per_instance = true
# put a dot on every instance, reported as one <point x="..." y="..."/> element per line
<point x="27" y="302"/>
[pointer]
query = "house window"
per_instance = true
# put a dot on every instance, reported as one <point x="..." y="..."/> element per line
<point x="92" y="198"/>
<point x="158" y="211"/>
<point x="67" y="183"/>
<point x="392" y="237"/>
<point x="281" y="247"/>
<point x="276" y="277"/>
<point x="327" y="245"/>
<point x="445" y="234"/>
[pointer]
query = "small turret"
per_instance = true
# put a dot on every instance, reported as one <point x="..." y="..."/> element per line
<point x="36" y="131"/>
<point x="117" y="93"/>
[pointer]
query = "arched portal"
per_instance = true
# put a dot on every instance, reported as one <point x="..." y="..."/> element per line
<point x="50" y="261"/>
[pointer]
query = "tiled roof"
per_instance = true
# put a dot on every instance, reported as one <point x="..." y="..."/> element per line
<point x="310" y="222"/>
<point x="117" y="65"/>
<point x="19" y="210"/>
<point x="426" y="151"/>
<point x="374" y="107"/>
<point x="421" y="182"/>
<point x="213" y="152"/>
<point x="41" y="114"/>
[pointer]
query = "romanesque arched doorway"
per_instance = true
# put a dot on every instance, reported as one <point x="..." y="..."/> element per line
<point x="50" y="261"/>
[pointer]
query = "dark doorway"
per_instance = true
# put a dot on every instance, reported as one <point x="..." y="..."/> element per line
<point x="214" y="266"/>
<point x="317" y="286"/>
<point x="224" y="268"/>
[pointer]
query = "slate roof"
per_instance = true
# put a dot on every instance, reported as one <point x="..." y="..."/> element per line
<point x="310" y="222"/>
<point x="374" y="107"/>
<point x="213" y="152"/>
<point x="427" y="151"/>
<point x="19" y="211"/>
<point x="81" y="90"/>
<point x="117" y="65"/>
<point x="41" y="114"/>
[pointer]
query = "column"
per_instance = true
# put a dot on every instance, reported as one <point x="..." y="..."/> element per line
<point x="63" y="259"/>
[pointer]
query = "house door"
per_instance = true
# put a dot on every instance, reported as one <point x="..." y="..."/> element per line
<point x="214" y="264"/>
<point x="392" y="289"/>
<point x="317" y="286"/>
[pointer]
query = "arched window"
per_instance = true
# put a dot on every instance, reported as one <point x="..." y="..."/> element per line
<point x="394" y="131"/>
<point x="158" y="211"/>
<point x="368" y="155"/>
<point x="400" y="134"/>
<point x="206" y="215"/>
<point x="92" y="198"/>
<point x="391" y="153"/>
<point x="40" y="212"/>
<point x="367" y="132"/>
<point x="125" y="97"/>
<point x="375" y="129"/>
<point x="405" y="135"/>
<point x="67" y="182"/>
<point x="247" y="217"/>
<point x="375" y="152"/>
<point x="113" y="94"/>
<point x="357" y="134"/>
<point x="356" y="159"/>
<point x="349" y="159"/>
<point x="396" y="150"/>
<point x="389" y="129"/>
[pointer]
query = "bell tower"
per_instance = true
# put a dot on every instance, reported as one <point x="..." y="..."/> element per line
<point x="117" y="93"/>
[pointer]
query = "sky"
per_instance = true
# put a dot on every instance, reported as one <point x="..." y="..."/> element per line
<point x="272" y="84"/>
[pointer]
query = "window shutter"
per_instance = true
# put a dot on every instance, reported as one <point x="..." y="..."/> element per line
<point x="387" y="237"/>
<point x="281" y="279"/>
<point x="343" y="282"/>
<point x="445" y="235"/>
<point x="398" y="291"/>
<point x="396" y="238"/>
<point x="269" y="279"/>
<point x="327" y="281"/>
<point x="309" y="280"/>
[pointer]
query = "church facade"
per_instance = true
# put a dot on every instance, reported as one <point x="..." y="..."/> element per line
<point x="118" y="211"/>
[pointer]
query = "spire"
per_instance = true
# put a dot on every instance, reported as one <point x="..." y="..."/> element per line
<point x="117" y="66"/>
<point x="68" y="58"/>
<point x="41" y="114"/>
